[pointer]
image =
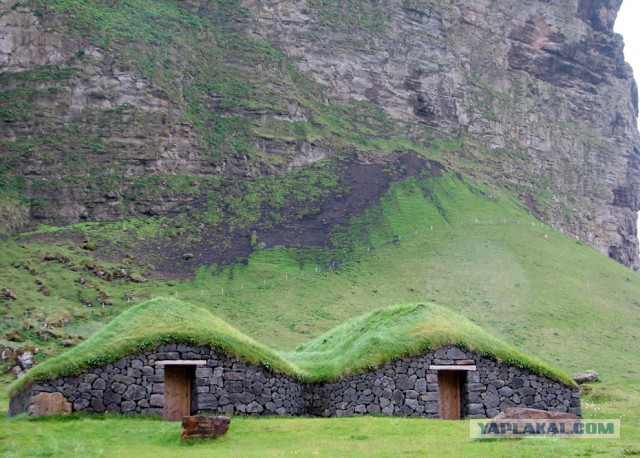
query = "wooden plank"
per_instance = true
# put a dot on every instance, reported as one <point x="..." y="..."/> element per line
<point x="449" y="395"/>
<point x="452" y="368"/>
<point x="181" y="362"/>
<point x="177" y="392"/>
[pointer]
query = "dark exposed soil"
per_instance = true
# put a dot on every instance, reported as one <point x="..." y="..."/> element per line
<point x="366" y="182"/>
<point x="361" y="185"/>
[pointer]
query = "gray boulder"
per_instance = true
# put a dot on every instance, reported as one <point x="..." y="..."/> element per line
<point x="584" y="377"/>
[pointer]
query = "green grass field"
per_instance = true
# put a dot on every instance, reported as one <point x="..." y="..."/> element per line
<point x="113" y="436"/>
<point x="533" y="287"/>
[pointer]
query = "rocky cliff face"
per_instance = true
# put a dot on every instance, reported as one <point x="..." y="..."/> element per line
<point x="80" y="110"/>
<point x="542" y="85"/>
<point x="536" y="93"/>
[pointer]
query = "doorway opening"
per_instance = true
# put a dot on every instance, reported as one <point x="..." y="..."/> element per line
<point x="177" y="392"/>
<point x="449" y="388"/>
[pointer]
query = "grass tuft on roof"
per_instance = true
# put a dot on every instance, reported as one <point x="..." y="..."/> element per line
<point x="391" y="333"/>
<point x="359" y="345"/>
<point x="146" y="326"/>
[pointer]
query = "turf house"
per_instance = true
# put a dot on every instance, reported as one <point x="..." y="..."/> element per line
<point x="413" y="360"/>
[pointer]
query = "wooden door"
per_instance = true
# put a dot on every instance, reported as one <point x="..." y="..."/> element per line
<point x="177" y="392"/>
<point x="449" y="398"/>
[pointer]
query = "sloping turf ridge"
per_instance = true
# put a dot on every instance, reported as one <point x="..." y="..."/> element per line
<point x="356" y="346"/>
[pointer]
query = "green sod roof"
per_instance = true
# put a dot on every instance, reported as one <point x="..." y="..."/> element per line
<point x="356" y="346"/>
<point x="391" y="333"/>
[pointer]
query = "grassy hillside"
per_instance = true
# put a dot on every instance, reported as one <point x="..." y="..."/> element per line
<point x="531" y="286"/>
<point x="527" y="284"/>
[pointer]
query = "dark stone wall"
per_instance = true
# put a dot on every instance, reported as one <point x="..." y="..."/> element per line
<point x="236" y="388"/>
<point x="135" y="384"/>
<point x="495" y="387"/>
<point x="409" y="388"/>
<point x="406" y="387"/>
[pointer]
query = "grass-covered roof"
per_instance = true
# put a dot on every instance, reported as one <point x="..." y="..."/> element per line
<point x="390" y="333"/>
<point x="146" y="326"/>
<point x="356" y="346"/>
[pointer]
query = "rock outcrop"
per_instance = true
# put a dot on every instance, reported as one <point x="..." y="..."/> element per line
<point x="585" y="377"/>
<point x="518" y="413"/>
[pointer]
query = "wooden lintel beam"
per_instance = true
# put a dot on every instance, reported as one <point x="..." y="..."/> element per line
<point x="181" y="362"/>
<point x="452" y="367"/>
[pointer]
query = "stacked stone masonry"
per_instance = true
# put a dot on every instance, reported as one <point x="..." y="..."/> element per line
<point x="407" y="387"/>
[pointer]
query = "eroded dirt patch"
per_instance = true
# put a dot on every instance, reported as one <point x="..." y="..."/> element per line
<point x="360" y="184"/>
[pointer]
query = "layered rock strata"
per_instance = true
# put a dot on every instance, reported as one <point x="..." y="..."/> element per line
<point x="537" y="93"/>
